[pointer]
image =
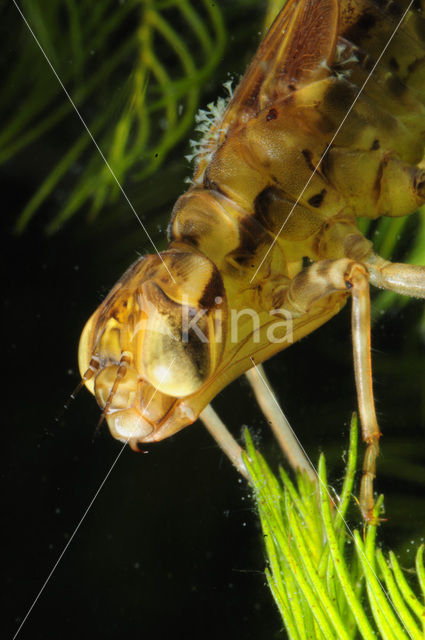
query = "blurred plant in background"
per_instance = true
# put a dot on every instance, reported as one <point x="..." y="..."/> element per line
<point x="136" y="80"/>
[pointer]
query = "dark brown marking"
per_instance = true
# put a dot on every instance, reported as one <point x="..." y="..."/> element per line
<point x="212" y="290"/>
<point x="251" y="234"/>
<point x="316" y="200"/>
<point x="262" y="204"/>
<point x="414" y="65"/>
<point x="358" y="31"/>
<point x="397" y="88"/>
<point x="375" y="145"/>
<point x="394" y="66"/>
<point x="419" y="182"/>
<point x="366" y="22"/>
<point x="340" y="96"/>
<point x="272" y="114"/>
<point x="308" y="155"/>
<point x="327" y="162"/>
<point x="378" y="179"/>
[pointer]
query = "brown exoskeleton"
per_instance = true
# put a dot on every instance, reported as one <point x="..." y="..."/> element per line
<point x="328" y="124"/>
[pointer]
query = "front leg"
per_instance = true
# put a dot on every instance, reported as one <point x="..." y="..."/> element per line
<point x="320" y="280"/>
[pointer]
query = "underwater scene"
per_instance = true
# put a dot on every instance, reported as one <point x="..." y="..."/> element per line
<point x="99" y="135"/>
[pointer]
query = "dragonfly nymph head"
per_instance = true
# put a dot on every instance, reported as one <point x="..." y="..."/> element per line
<point x="153" y="344"/>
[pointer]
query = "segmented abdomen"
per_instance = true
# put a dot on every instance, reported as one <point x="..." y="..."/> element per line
<point x="270" y="168"/>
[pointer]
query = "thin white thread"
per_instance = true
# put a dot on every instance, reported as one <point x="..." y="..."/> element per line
<point x="331" y="142"/>
<point x="69" y="542"/>
<point x="329" y="494"/>
<point x="74" y="106"/>
<point x="85" y="513"/>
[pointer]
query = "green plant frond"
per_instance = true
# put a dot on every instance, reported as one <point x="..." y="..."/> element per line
<point x="323" y="587"/>
<point x="134" y="78"/>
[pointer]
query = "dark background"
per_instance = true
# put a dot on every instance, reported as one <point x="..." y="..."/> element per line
<point x="171" y="546"/>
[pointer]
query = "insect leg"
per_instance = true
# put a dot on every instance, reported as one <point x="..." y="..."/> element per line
<point x="281" y="428"/>
<point x="358" y="278"/>
<point x="407" y="279"/>
<point x="320" y="280"/>
<point x="224" y="438"/>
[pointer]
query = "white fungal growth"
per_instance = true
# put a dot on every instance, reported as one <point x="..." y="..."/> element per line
<point x="207" y="124"/>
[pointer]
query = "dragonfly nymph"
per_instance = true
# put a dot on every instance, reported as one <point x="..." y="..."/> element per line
<point x="327" y="125"/>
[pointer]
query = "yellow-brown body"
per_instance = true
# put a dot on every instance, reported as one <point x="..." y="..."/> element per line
<point x="328" y="124"/>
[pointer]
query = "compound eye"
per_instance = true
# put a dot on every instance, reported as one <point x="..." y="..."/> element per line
<point x="125" y="393"/>
<point x="174" y="361"/>
<point x="173" y="368"/>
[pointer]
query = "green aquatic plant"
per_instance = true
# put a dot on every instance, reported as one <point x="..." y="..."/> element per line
<point x="327" y="581"/>
<point x="133" y="76"/>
